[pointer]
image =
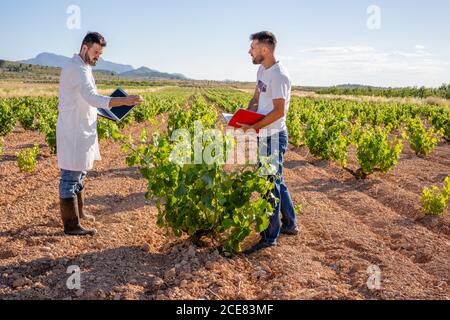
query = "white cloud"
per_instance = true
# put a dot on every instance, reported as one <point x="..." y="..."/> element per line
<point x="367" y="65"/>
<point x="284" y="58"/>
<point x="338" y="50"/>
<point x="416" y="54"/>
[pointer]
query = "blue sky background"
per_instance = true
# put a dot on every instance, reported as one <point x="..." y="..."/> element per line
<point x="320" y="42"/>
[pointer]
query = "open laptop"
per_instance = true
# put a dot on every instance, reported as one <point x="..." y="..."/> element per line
<point x="119" y="113"/>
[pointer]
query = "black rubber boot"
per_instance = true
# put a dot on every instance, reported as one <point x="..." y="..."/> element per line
<point x="81" y="212"/>
<point x="71" y="219"/>
<point x="290" y="232"/>
<point x="259" y="246"/>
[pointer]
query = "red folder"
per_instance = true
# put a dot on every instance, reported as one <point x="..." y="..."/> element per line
<point x="245" y="117"/>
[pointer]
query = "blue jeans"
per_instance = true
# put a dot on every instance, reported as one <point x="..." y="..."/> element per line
<point x="281" y="192"/>
<point x="71" y="183"/>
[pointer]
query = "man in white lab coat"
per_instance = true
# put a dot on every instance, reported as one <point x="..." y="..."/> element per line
<point x="76" y="130"/>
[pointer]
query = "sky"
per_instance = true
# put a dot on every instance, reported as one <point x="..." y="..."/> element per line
<point x="321" y="43"/>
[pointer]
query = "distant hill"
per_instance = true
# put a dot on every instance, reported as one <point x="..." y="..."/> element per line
<point x="127" y="71"/>
<point x="145" y="73"/>
<point x="54" y="60"/>
<point x="10" y="70"/>
<point x="355" y="86"/>
<point x="47" y="60"/>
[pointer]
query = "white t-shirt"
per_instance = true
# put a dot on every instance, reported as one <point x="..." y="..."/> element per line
<point x="273" y="83"/>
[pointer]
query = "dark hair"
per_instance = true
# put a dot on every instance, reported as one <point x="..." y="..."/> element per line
<point x="265" y="37"/>
<point x="93" y="37"/>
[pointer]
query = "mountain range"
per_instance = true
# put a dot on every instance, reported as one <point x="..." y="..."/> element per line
<point x="123" y="70"/>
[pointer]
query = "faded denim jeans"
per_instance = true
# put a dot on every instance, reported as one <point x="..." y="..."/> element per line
<point x="281" y="192"/>
<point x="71" y="183"/>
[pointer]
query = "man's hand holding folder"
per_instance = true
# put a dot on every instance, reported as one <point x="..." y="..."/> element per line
<point x="277" y="113"/>
<point x="245" y="119"/>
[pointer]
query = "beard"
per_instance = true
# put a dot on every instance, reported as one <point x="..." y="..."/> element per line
<point x="88" y="60"/>
<point x="257" y="60"/>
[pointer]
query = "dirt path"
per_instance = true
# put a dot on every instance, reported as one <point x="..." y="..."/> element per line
<point x="346" y="226"/>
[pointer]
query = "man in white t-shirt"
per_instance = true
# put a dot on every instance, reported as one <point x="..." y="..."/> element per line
<point x="272" y="97"/>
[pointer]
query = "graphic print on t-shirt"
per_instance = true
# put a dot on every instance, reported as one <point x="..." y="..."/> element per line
<point x="262" y="86"/>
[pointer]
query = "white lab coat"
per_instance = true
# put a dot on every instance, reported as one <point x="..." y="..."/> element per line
<point x="76" y="129"/>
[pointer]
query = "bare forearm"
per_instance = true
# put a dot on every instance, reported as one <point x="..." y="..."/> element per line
<point x="117" y="102"/>
<point x="273" y="116"/>
<point x="125" y="101"/>
<point x="253" y="105"/>
<point x="279" y="111"/>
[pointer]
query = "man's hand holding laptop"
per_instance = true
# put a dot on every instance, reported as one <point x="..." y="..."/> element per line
<point x="125" y="101"/>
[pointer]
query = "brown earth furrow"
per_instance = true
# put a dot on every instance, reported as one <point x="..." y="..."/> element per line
<point x="376" y="226"/>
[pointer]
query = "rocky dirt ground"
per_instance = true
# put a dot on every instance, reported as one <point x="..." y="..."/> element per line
<point x="346" y="225"/>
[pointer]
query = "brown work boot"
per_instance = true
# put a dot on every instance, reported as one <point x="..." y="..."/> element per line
<point x="81" y="212"/>
<point x="71" y="219"/>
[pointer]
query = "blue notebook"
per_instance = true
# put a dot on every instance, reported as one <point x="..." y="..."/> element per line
<point x="119" y="113"/>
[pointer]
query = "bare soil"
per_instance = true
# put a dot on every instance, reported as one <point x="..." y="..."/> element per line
<point x="346" y="225"/>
